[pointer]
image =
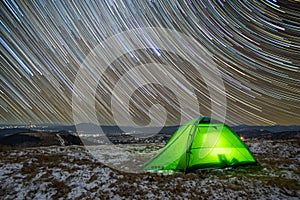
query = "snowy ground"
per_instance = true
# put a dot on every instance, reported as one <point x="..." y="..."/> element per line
<point x="72" y="173"/>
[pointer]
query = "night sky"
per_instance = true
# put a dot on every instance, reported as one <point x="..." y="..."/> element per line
<point x="112" y="61"/>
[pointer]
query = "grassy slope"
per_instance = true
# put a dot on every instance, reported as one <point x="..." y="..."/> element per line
<point x="70" y="172"/>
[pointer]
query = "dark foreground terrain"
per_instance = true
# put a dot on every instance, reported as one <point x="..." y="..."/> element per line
<point x="70" y="172"/>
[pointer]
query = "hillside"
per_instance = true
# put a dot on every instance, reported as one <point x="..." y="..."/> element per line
<point x="31" y="138"/>
<point x="70" y="172"/>
<point x="62" y="136"/>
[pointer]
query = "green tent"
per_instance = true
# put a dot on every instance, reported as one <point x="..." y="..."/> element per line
<point x="201" y="143"/>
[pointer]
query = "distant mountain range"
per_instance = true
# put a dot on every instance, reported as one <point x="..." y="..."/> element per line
<point x="86" y="128"/>
<point x="90" y="128"/>
<point x="64" y="135"/>
<point x="273" y="129"/>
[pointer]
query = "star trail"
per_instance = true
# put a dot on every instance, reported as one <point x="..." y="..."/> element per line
<point x="255" y="46"/>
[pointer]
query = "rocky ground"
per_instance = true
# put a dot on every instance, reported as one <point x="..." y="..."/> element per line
<point x="71" y="172"/>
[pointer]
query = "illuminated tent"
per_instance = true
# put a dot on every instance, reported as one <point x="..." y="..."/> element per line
<point x="201" y="143"/>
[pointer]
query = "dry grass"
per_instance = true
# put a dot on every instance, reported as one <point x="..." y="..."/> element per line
<point x="67" y="168"/>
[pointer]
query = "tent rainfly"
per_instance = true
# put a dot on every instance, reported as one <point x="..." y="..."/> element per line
<point x="201" y="143"/>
